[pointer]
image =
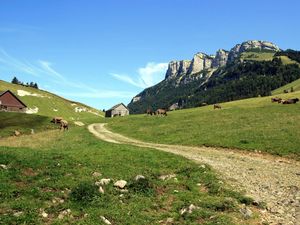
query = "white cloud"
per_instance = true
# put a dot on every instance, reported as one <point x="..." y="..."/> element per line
<point x="152" y="73"/>
<point x="148" y="76"/>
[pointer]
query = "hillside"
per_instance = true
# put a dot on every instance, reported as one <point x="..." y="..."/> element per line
<point x="45" y="103"/>
<point x="24" y="123"/>
<point x="250" y="69"/>
<point x="251" y="124"/>
<point x="295" y="85"/>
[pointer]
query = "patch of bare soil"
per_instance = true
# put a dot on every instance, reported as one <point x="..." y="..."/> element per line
<point x="268" y="179"/>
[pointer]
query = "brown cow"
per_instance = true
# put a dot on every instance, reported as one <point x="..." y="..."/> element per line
<point x="56" y="120"/>
<point x="161" y="112"/>
<point x="217" y="106"/>
<point x="276" y="99"/>
<point x="150" y="112"/>
<point x="64" y="125"/>
<point x="291" y="101"/>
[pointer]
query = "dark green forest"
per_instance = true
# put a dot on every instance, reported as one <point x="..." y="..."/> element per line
<point x="235" y="81"/>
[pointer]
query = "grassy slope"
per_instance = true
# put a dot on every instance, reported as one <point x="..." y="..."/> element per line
<point x="246" y="124"/>
<point x="9" y="122"/>
<point x="50" y="102"/>
<point x="48" y="165"/>
<point x="265" y="56"/>
<point x="255" y="56"/>
<point x="295" y="84"/>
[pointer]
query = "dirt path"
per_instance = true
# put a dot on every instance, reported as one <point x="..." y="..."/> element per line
<point x="269" y="179"/>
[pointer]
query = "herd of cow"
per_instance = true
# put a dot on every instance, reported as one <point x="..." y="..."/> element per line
<point x="159" y="112"/>
<point x="287" y="101"/>
<point x="63" y="123"/>
<point x="163" y="112"/>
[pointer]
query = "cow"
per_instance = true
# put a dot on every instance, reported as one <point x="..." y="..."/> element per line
<point x="64" y="125"/>
<point x="276" y="99"/>
<point x="56" y="120"/>
<point x="161" y="112"/>
<point x="217" y="106"/>
<point x="291" y="101"/>
<point x="150" y="112"/>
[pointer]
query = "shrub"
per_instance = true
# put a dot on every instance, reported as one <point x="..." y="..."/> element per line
<point x="84" y="193"/>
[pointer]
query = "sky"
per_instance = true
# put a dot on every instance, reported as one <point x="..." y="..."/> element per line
<point x="105" y="52"/>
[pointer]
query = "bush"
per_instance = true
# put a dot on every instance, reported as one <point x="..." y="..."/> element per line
<point x="142" y="186"/>
<point x="84" y="193"/>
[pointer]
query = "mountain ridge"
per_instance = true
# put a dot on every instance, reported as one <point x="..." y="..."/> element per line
<point x="200" y="73"/>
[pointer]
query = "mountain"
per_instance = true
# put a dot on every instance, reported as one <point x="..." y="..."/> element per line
<point x="44" y="103"/>
<point x="250" y="69"/>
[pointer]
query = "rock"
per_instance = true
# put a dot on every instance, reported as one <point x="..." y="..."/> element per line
<point x="17" y="133"/>
<point x="220" y="58"/>
<point x="101" y="190"/>
<point x="120" y="184"/>
<point x="44" y="214"/>
<point x="136" y="99"/>
<point x="17" y="214"/>
<point x="139" y="177"/>
<point x="260" y="45"/>
<point x="167" y="177"/>
<point x="170" y="220"/>
<point x="3" y="166"/>
<point x="97" y="174"/>
<point x="64" y="213"/>
<point x="176" y="68"/>
<point x="106" y="221"/>
<point x="246" y="212"/>
<point x="189" y="209"/>
<point x="200" y="62"/>
<point x="103" y="181"/>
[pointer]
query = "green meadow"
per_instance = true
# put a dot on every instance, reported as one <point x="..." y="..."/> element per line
<point x="49" y="179"/>
<point x="251" y="124"/>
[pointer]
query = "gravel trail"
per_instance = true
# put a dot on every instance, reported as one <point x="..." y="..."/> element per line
<point x="269" y="179"/>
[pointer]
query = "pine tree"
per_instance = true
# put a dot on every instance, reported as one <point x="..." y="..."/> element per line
<point x="15" y="81"/>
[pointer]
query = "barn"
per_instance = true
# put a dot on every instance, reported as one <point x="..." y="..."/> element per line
<point x="117" y="110"/>
<point x="11" y="103"/>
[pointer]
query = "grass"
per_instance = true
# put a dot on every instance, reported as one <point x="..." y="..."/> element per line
<point x="56" y="176"/>
<point x="51" y="105"/>
<point x="9" y="122"/>
<point x="257" y="56"/>
<point x="265" y="56"/>
<point x="251" y="124"/>
<point x="295" y="84"/>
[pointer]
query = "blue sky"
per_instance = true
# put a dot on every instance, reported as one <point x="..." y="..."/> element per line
<point x="105" y="52"/>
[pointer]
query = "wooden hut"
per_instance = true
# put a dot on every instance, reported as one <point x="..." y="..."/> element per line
<point x="117" y="110"/>
<point x="11" y="103"/>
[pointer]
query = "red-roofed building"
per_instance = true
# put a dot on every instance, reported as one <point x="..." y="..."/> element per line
<point x="11" y="103"/>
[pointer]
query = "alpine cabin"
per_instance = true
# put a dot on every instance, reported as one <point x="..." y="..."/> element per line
<point x="11" y="103"/>
<point x="117" y="110"/>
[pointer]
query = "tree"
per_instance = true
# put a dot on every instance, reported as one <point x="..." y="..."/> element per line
<point x="35" y="86"/>
<point x="15" y="81"/>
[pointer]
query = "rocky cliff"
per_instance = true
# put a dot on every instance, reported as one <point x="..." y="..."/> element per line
<point x="184" y="77"/>
<point x="202" y="61"/>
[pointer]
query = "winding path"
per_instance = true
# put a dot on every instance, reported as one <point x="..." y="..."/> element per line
<point x="269" y="179"/>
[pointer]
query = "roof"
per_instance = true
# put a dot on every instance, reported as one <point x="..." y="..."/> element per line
<point x="116" y="106"/>
<point x="3" y="92"/>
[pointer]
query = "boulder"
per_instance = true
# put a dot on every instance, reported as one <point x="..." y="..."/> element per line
<point x="120" y="184"/>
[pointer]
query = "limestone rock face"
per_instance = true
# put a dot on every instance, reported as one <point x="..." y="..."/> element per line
<point x="220" y="59"/>
<point x="200" y="62"/>
<point x="176" y="68"/>
<point x="260" y="45"/>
